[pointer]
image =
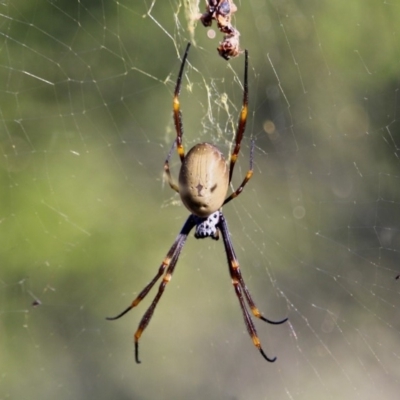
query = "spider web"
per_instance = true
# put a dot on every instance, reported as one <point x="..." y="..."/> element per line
<point x="85" y="217"/>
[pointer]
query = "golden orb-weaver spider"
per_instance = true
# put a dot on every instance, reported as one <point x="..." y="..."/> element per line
<point x="204" y="179"/>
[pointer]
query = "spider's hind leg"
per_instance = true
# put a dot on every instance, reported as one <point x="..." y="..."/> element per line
<point x="241" y="290"/>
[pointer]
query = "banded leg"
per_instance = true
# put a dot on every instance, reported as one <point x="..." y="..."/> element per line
<point x="168" y="264"/>
<point x="240" y="288"/>
<point x="177" y="108"/>
<point x="248" y="176"/>
<point x="242" y="118"/>
<point x="167" y="171"/>
<point x="150" y="311"/>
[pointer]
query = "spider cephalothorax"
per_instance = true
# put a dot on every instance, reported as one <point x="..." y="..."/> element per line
<point x="208" y="227"/>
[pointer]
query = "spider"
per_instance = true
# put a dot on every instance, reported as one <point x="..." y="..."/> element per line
<point x="204" y="179"/>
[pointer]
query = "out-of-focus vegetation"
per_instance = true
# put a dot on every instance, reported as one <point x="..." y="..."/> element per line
<point x="85" y="220"/>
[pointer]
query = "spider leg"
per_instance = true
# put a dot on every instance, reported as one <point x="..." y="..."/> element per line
<point x="150" y="311"/>
<point x="167" y="264"/>
<point x="248" y="176"/>
<point x="240" y="288"/>
<point x="242" y="118"/>
<point x="168" y="172"/>
<point x="177" y="108"/>
<point x="178" y="125"/>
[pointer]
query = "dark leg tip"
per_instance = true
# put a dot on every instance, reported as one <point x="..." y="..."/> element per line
<point x="274" y="322"/>
<point x="137" y="353"/>
<point x="121" y="314"/>
<point x="266" y="357"/>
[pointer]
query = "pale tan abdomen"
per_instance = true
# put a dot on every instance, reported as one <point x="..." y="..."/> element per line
<point x="203" y="180"/>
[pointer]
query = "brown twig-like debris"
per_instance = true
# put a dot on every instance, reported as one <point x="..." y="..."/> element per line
<point x="221" y="11"/>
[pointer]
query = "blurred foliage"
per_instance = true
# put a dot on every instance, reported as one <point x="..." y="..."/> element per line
<point x="85" y="218"/>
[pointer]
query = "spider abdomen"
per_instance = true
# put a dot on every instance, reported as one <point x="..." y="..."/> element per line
<point x="203" y="180"/>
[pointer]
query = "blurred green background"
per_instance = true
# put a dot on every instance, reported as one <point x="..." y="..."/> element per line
<point x="85" y="217"/>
